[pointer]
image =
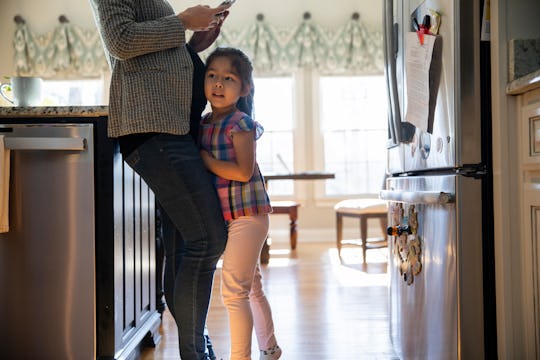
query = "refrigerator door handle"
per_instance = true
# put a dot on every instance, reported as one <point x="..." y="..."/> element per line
<point x="418" y="197"/>
<point x="390" y="52"/>
<point x="44" y="143"/>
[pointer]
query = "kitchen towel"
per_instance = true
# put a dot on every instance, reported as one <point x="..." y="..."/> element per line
<point x="4" y="186"/>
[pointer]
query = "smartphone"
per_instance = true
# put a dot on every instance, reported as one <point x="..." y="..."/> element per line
<point x="226" y="2"/>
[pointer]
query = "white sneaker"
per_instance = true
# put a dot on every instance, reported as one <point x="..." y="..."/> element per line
<point x="273" y="353"/>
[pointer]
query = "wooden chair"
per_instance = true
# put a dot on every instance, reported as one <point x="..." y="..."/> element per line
<point x="362" y="209"/>
<point x="290" y="208"/>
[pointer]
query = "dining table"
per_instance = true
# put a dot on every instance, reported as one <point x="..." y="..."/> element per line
<point x="304" y="175"/>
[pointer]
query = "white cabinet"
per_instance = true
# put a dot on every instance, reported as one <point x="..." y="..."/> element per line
<point x="530" y="130"/>
<point x="529" y="143"/>
<point x="531" y="269"/>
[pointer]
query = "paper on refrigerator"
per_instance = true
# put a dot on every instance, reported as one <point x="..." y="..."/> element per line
<point x="418" y="59"/>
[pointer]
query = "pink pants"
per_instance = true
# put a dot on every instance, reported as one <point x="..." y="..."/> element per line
<point x="241" y="286"/>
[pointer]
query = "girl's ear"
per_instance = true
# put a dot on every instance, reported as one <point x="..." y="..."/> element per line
<point x="245" y="91"/>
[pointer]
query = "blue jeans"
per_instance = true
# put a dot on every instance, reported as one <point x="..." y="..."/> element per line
<point x="173" y="169"/>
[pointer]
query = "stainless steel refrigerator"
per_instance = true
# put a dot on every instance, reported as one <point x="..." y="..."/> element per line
<point x="442" y="298"/>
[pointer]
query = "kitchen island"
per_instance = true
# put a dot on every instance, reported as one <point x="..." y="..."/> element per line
<point x="79" y="258"/>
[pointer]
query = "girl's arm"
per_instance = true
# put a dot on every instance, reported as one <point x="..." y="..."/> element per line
<point x="242" y="169"/>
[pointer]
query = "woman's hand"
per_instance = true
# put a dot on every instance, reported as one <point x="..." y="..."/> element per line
<point x="201" y="40"/>
<point x="201" y="17"/>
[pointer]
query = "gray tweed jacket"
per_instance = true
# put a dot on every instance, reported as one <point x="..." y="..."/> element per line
<point x="152" y="71"/>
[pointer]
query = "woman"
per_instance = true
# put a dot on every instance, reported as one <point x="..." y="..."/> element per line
<point x="150" y="107"/>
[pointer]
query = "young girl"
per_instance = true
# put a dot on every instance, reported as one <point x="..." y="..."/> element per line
<point x="227" y="138"/>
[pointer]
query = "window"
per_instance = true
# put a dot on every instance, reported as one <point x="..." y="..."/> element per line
<point x="273" y="108"/>
<point x="344" y="132"/>
<point x="87" y="92"/>
<point x="339" y="127"/>
<point x="353" y="126"/>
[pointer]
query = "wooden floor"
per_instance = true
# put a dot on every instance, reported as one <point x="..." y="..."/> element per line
<point x="323" y="309"/>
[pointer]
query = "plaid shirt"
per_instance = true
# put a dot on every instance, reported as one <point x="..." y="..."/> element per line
<point x="237" y="198"/>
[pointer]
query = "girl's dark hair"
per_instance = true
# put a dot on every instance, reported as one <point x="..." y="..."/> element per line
<point x="242" y="64"/>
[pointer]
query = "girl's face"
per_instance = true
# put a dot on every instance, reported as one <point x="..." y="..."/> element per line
<point x="222" y="84"/>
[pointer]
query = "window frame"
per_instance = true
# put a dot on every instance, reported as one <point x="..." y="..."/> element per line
<point x="320" y="195"/>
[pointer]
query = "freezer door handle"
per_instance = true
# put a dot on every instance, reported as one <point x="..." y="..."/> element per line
<point x="44" y="143"/>
<point x="391" y="33"/>
<point x="418" y="197"/>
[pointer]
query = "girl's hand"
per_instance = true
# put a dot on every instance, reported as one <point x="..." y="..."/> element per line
<point x="239" y="170"/>
<point x="206" y="156"/>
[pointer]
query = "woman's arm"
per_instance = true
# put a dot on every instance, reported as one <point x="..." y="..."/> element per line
<point x="126" y="35"/>
<point x="242" y="169"/>
<point x="128" y="31"/>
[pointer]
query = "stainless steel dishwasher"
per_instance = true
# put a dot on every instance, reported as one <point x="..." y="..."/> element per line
<point x="47" y="259"/>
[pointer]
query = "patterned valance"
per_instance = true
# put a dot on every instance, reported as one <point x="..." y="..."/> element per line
<point x="67" y="51"/>
<point x="70" y="51"/>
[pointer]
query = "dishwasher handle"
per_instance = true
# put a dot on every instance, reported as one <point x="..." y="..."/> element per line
<point x="418" y="197"/>
<point x="45" y="143"/>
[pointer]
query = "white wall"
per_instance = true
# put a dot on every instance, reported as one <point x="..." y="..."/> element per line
<point x="522" y="18"/>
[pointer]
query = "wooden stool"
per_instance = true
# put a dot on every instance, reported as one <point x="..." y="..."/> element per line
<point x="362" y="209"/>
<point x="291" y="208"/>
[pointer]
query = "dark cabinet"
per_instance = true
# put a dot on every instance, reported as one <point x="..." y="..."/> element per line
<point x="127" y="319"/>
